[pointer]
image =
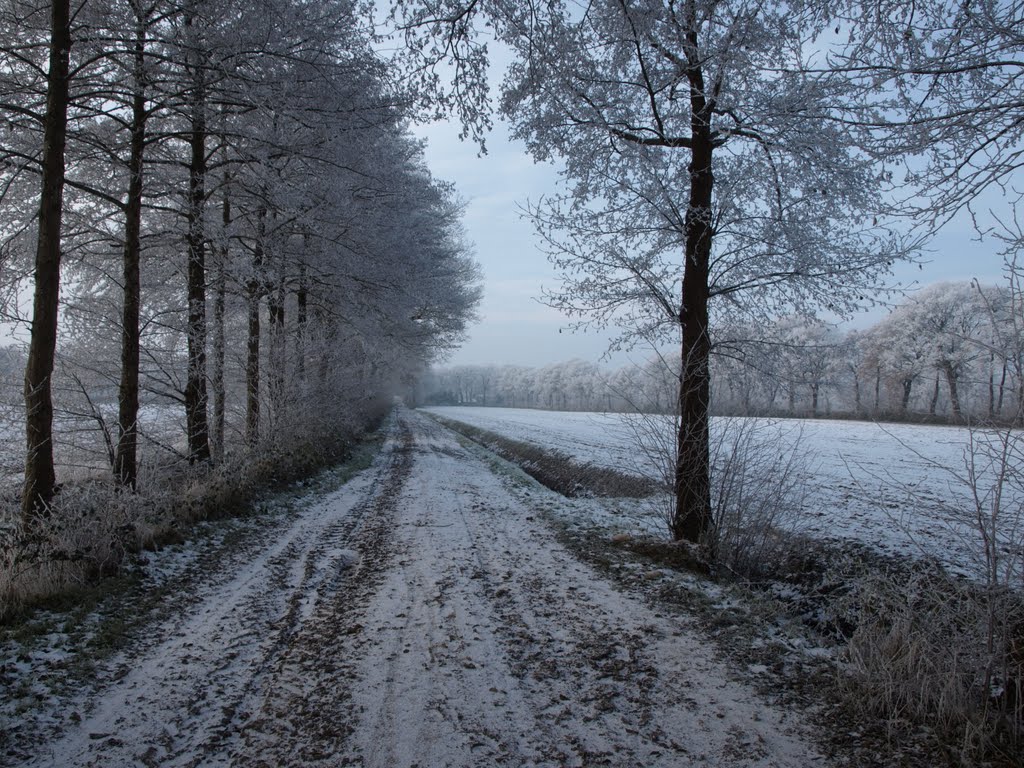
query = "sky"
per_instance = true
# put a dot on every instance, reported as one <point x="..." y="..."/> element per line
<point x="516" y="328"/>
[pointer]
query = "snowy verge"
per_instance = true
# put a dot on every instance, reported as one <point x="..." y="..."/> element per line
<point x="900" y="489"/>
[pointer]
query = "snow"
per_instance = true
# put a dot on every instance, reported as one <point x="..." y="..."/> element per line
<point x="896" y="487"/>
<point x="423" y="614"/>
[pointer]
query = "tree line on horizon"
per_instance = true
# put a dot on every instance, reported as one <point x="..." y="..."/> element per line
<point x="950" y="352"/>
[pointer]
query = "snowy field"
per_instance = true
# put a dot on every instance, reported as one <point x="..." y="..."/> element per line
<point x="896" y="487"/>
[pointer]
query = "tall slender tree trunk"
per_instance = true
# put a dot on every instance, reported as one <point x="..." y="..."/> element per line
<point x="40" y="477"/>
<point x="275" y="313"/>
<point x="878" y="386"/>
<point x="1002" y="391"/>
<point x="815" y="387"/>
<point x="254" y="289"/>
<point x="935" y="396"/>
<point x="327" y="346"/>
<point x="252" y="370"/>
<point x="301" y="316"/>
<point x="126" y="454"/>
<point x="217" y="364"/>
<point x="991" y="385"/>
<point x="693" y="519"/>
<point x="219" y="348"/>
<point x="196" y="398"/>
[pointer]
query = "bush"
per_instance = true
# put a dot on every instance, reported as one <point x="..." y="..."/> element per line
<point x="758" y="486"/>
<point x="950" y="652"/>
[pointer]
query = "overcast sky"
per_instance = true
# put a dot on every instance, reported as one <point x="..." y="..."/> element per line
<point x="514" y="326"/>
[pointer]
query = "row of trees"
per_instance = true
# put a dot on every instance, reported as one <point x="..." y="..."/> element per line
<point x="952" y="350"/>
<point x="727" y="162"/>
<point x="218" y="208"/>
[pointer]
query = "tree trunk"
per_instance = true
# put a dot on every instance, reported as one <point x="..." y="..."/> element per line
<point x="954" y="393"/>
<point x="692" y="520"/>
<point x="301" y="319"/>
<point x="878" y="386"/>
<point x="252" y="359"/>
<point x="935" y="396"/>
<point x="219" y="349"/>
<point x="275" y="313"/>
<point x="195" y="384"/>
<point x="1002" y="390"/>
<point x="126" y="454"/>
<point x="857" y="407"/>
<point x="908" y="386"/>
<point x="252" y="371"/>
<point x="40" y="477"/>
<point x="991" y="385"/>
<point x="814" y="399"/>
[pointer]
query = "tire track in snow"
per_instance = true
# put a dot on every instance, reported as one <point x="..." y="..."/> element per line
<point x="302" y="717"/>
<point x="494" y="646"/>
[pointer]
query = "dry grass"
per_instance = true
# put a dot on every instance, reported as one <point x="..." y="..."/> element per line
<point x="93" y="526"/>
<point x="942" y="652"/>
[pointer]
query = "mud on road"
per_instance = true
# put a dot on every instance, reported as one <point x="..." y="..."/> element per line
<point x="422" y="615"/>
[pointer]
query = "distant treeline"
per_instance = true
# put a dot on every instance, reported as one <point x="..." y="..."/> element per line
<point x="954" y="351"/>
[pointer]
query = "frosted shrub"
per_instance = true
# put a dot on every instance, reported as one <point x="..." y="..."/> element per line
<point x="87" y="533"/>
<point x="941" y="652"/>
<point x="757" y="491"/>
<point x="758" y="485"/>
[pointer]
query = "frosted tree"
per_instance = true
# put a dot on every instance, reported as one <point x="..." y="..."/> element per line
<point x="701" y="169"/>
<point x="1004" y="340"/>
<point x="702" y="180"/>
<point x="943" y="81"/>
<point x="951" y="315"/>
<point x="22" y="99"/>
<point x="180" y="120"/>
<point x="901" y="348"/>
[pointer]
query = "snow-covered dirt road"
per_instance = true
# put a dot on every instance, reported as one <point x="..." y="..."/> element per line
<point x="423" y="615"/>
